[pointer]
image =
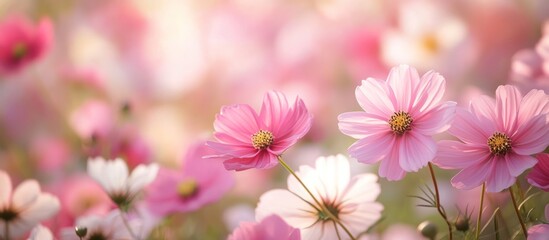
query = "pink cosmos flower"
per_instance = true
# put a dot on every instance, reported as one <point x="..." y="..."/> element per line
<point x="540" y="231"/>
<point x="21" y="43"/>
<point x="351" y="200"/>
<point x="24" y="208"/>
<point x="400" y="116"/>
<point x="94" y="118"/>
<point x="250" y="140"/>
<point x="497" y="137"/>
<point x="270" y="228"/>
<point x="199" y="182"/>
<point x="539" y="176"/>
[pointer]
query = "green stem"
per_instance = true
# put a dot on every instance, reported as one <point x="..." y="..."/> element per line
<point x="439" y="207"/>
<point x="125" y="221"/>
<point x="324" y="210"/>
<point x="477" y="233"/>
<point x="518" y="213"/>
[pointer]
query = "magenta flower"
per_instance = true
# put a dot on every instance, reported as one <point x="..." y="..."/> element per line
<point x="250" y="140"/>
<point x="199" y="182"/>
<point x="540" y="231"/>
<point x="497" y="138"/>
<point x="270" y="228"/>
<point x="539" y="176"/>
<point x="21" y="43"/>
<point x="400" y="116"/>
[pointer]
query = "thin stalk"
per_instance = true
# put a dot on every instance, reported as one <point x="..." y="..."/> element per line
<point x="439" y="207"/>
<point x="7" y="230"/>
<point x="480" y="210"/>
<point x="324" y="210"/>
<point x="125" y="221"/>
<point x="518" y="213"/>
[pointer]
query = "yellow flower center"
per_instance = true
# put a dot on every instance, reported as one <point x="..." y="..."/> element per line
<point x="400" y="122"/>
<point x="430" y="43"/>
<point x="187" y="188"/>
<point x="499" y="143"/>
<point x="262" y="139"/>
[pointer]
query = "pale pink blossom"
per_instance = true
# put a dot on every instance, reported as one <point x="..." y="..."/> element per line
<point x="399" y="117"/>
<point x="93" y="119"/>
<point x="21" y="42"/>
<point x="251" y="140"/>
<point x="24" y="207"/>
<point x="497" y="137"/>
<point x="270" y="228"/>
<point x="539" y="176"/>
<point x="199" y="182"/>
<point x="351" y="200"/>
<point x="540" y="231"/>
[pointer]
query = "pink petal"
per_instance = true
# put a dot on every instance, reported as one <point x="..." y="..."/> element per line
<point x="538" y="232"/>
<point x="483" y="107"/>
<point x="374" y="97"/>
<point x="539" y="176"/>
<point x="517" y="164"/>
<point x="473" y="176"/>
<point x="531" y="137"/>
<point x="239" y="121"/>
<point x="390" y="167"/>
<point x="274" y="109"/>
<point x="25" y="194"/>
<point x="507" y="105"/>
<point x="404" y="81"/>
<point x="360" y="124"/>
<point x="262" y="160"/>
<point x="469" y="129"/>
<point x="535" y="102"/>
<point x="436" y="120"/>
<point x="234" y="150"/>
<point x="416" y="150"/>
<point x="372" y="148"/>
<point x="292" y="128"/>
<point x="5" y="189"/>
<point x="429" y="92"/>
<point x="499" y="178"/>
<point x="457" y="155"/>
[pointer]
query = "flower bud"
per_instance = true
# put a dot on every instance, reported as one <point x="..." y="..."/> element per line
<point x="428" y="229"/>
<point x="462" y="224"/>
<point x="81" y="231"/>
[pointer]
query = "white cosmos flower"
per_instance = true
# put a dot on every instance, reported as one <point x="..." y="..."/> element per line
<point x="104" y="227"/>
<point x="23" y="208"/>
<point x="113" y="177"/>
<point x="351" y="200"/>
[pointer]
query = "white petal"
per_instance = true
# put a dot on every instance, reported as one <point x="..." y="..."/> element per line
<point x="40" y="233"/>
<point x="141" y="176"/>
<point x="45" y="206"/>
<point x="335" y="173"/>
<point x="117" y="175"/>
<point x="5" y="189"/>
<point x="25" y="194"/>
<point x="288" y="206"/>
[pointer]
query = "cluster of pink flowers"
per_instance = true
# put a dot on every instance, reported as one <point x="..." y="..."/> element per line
<point x="236" y="120"/>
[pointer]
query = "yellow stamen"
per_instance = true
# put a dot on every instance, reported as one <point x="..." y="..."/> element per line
<point x="262" y="139"/>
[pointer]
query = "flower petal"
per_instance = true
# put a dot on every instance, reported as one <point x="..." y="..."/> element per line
<point x="390" y="166"/>
<point x="5" y="189"/>
<point x="470" y="129"/>
<point x="531" y="137"/>
<point x="457" y="155"/>
<point x="507" y="106"/>
<point x="25" y="194"/>
<point x="288" y="206"/>
<point x="360" y="124"/>
<point x="239" y="121"/>
<point x="517" y="164"/>
<point x="429" y="92"/>
<point x="534" y="103"/>
<point x="499" y="178"/>
<point x="274" y="109"/>
<point x="45" y="206"/>
<point x="141" y="176"/>
<point x="473" y="176"/>
<point x="372" y="148"/>
<point x="404" y="80"/>
<point x="374" y="97"/>
<point x="335" y="172"/>
<point x="415" y="151"/>
<point x="436" y="120"/>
